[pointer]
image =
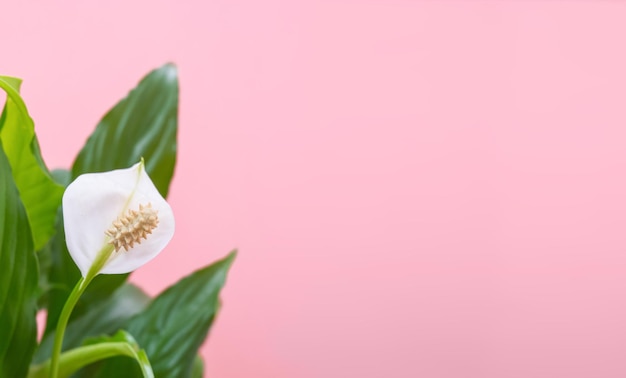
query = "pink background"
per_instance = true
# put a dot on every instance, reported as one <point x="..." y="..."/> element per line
<point x="417" y="189"/>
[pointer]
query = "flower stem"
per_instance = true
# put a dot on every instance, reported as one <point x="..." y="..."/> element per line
<point x="80" y="287"/>
<point x="101" y="258"/>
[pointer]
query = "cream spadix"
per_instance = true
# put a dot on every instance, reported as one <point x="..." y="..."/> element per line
<point x="117" y="218"/>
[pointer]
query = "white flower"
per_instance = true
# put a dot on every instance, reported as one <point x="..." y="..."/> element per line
<point x="116" y="219"/>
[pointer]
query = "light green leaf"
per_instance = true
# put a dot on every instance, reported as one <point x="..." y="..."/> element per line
<point x="40" y="194"/>
<point x="18" y="281"/>
<point x="198" y="367"/>
<point x="121" y="344"/>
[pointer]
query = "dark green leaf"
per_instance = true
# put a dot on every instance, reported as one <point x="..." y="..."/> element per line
<point x="18" y="281"/>
<point x="173" y="327"/>
<point x="144" y="124"/>
<point x="62" y="276"/>
<point x="39" y="193"/>
<point x="104" y="318"/>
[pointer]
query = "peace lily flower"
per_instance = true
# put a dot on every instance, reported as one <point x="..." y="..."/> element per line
<point x="115" y="221"/>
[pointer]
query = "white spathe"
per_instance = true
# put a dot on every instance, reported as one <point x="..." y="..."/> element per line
<point x="92" y="203"/>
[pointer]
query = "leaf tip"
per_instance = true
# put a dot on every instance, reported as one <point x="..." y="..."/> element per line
<point x="231" y="256"/>
<point x="169" y="70"/>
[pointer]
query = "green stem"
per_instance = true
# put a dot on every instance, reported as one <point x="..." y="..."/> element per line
<point x="101" y="258"/>
<point x="80" y="287"/>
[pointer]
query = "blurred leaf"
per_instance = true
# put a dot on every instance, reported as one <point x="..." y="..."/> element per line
<point x="62" y="176"/>
<point x="198" y="368"/>
<point x="144" y="124"/>
<point x="18" y="281"/>
<point x="104" y="318"/>
<point x="39" y="193"/>
<point x="173" y="327"/>
<point x="61" y="278"/>
<point x="44" y="257"/>
<point x="45" y="254"/>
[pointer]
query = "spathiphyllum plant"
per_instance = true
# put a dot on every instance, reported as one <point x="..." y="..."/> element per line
<point x="70" y="238"/>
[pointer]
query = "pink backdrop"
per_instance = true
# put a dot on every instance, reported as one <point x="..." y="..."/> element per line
<point x="417" y="189"/>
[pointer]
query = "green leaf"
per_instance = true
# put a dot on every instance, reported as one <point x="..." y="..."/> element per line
<point x="18" y="281"/>
<point x="103" y="318"/>
<point x="40" y="194"/>
<point x="173" y="327"/>
<point x="121" y="344"/>
<point x="144" y="124"/>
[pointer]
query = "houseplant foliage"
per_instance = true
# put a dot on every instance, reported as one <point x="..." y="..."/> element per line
<point x="98" y="324"/>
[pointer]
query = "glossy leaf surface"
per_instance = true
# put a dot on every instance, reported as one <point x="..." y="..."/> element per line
<point x="18" y="281"/>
